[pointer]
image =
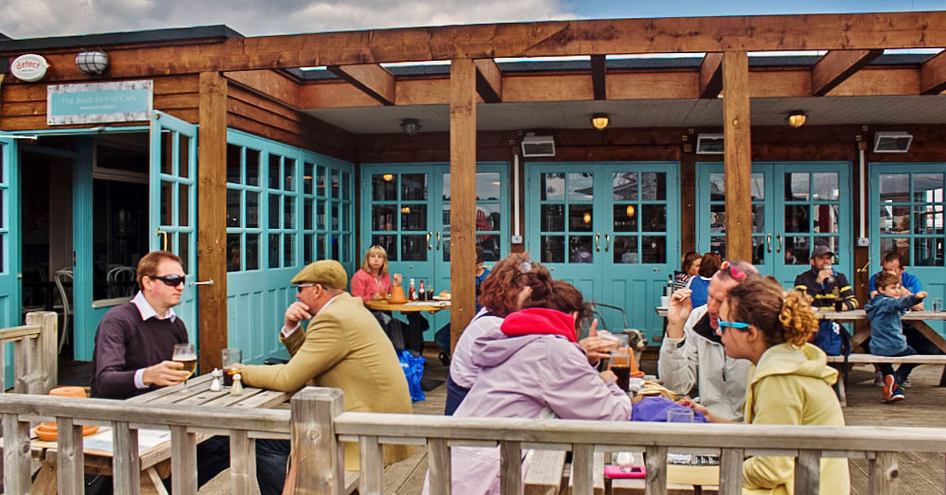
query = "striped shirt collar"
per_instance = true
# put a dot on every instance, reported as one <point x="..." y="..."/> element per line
<point x="146" y="311"/>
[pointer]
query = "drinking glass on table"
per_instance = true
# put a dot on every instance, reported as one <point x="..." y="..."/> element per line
<point x="229" y="357"/>
<point x="936" y="305"/>
<point x="620" y="365"/>
<point x="186" y="355"/>
<point x="679" y="415"/>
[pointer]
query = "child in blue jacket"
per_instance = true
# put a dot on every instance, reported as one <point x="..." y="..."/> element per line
<point x="886" y="332"/>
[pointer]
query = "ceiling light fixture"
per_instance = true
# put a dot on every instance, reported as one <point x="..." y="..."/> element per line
<point x="796" y="118"/>
<point x="411" y="126"/>
<point x="600" y="121"/>
<point x="388" y="177"/>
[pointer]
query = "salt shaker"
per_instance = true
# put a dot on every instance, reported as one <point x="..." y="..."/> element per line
<point x="237" y="387"/>
<point x="215" y="385"/>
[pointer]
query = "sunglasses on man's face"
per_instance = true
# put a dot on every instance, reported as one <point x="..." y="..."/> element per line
<point x="170" y="280"/>
<point x="302" y="287"/>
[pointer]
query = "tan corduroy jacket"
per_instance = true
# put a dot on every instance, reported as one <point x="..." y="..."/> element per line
<point x="343" y="347"/>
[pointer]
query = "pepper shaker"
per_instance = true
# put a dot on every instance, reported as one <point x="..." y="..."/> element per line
<point x="237" y="387"/>
<point x="215" y="385"/>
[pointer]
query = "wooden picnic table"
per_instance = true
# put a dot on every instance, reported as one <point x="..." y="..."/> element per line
<point x="154" y="457"/>
<point x="408" y="307"/>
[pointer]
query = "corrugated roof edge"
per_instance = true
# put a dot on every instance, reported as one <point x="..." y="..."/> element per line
<point x="105" y="39"/>
<point x="900" y="59"/>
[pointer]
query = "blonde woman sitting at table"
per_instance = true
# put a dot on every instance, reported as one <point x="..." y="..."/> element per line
<point x="373" y="282"/>
<point x="792" y="381"/>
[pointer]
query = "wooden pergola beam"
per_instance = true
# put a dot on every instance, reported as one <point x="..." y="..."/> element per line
<point x="737" y="164"/>
<point x="711" y="75"/>
<point x="598" y="74"/>
<point x="933" y="75"/>
<point x="372" y="79"/>
<point x="887" y="30"/>
<point x="489" y="80"/>
<point x="838" y="65"/>
<point x="271" y="84"/>
<point x="463" y="199"/>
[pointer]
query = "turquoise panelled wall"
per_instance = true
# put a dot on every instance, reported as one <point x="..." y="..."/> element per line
<point x="10" y="303"/>
<point x="907" y="215"/>
<point x="286" y="207"/>
<point x="406" y="209"/>
<point x="611" y="229"/>
<point x="795" y="206"/>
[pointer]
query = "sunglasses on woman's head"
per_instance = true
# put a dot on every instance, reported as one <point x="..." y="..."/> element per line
<point x="169" y="280"/>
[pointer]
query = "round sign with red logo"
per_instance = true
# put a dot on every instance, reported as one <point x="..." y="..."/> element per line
<point x="29" y="67"/>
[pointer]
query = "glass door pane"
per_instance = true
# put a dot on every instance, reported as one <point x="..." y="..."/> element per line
<point x="711" y="213"/>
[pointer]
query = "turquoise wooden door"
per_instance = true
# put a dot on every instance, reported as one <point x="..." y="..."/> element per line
<point x="610" y="229"/>
<point x="10" y="304"/>
<point x="906" y="215"/>
<point x="173" y="203"/>
<point x="795" y="206"/>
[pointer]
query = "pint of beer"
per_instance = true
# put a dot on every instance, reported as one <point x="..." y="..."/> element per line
<point x="228" y="358"/>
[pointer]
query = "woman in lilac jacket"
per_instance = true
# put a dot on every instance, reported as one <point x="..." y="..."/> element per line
<point x="534" y="368"/>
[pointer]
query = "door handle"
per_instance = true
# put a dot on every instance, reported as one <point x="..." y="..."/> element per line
<point x="203" y="282"/>
<point x="768" y="243"/>
<point x="164" y="239"/>
<point x="597" y="242"/>
<point x="427" y="237"/>
<point x="778" y="243"/>
<point x="607" y="242"/>
<point x="439" y="243"/>
<point x="864" y="268"/>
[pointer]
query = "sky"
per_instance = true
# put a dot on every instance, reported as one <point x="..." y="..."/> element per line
<point x="44" y="18"/>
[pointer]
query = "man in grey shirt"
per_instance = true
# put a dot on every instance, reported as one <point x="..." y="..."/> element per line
<point x="692" y="354"/>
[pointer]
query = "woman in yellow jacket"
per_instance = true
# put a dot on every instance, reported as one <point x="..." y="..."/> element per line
<point x="792" y="382"/>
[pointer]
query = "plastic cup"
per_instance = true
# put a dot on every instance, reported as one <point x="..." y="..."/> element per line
<point x="936" y="305"/>
<point x="679" y="415"/>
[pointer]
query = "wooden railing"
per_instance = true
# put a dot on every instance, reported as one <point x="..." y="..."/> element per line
<point x="35" y="359"/>
<point x="317" y="427"/>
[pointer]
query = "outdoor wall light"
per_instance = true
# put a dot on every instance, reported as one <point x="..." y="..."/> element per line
<point x="587" y="217"/>
<point x="388" y="177"/>
<point x="411" y="126"/>
<point x="796" y="118"/>
<point x="629" y="211"/>
<point x="600" y="121"/>
<point x="92" y="63"/>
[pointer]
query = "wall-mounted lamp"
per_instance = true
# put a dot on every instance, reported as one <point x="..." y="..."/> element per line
<point x="796" y="118"/>
<point x="600" y="121"/>
<point x="586" y="217"/>
<point x="411" y="126"/>
<point x="629" y="211"/>
<point x="92" y="63"/>
<point x="388" y="177"/>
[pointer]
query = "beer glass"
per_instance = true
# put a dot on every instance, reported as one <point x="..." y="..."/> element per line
<point x="229" y="357"/>
<point x="186" y="355"/>
<point x="621" y="366"/>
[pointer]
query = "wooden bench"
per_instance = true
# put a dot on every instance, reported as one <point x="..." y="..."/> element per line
<point x="872" y="359"/>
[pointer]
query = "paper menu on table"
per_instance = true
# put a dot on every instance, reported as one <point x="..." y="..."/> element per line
<point x="102" y="442"/>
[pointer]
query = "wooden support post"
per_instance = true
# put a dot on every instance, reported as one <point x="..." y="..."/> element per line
<point x="655" y="459"/>
<point x="730" y="471"/>
<point x="126" y="466"/>
<point x="183" y="461"/>
<point x="738" y="156"/>
<point x="371" y="478"/>
<point x="463" y="194"/>
<point x="47" y="359"/>
<point x="439" y="466"/>
<point x="212" y="218"/>
<point x="883" y="474"/>
<point x="317" y="459"/>
<point x="808" y="472"/>
<point x="242" y="463"/>
<point x="16" y="455"/>
<point x="25" y="363"/>
<point x="583" y="458"/>
<point x="70" y="458"/>
<point x="510" y="465"/>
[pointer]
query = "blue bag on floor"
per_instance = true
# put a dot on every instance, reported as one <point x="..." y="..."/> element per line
<point x="413" y="367"/>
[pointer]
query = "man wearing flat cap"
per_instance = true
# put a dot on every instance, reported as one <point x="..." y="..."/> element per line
<point x="343" y="347"/>
<point x="829" y="290"/>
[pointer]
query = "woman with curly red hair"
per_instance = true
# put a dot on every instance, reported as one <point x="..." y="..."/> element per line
<point x="792" y="381"/>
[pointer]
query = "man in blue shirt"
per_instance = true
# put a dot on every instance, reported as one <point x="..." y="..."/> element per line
<point x="893" y="263"/>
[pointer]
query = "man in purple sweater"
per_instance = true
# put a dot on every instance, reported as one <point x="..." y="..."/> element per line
<point x="135" y="341"/>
